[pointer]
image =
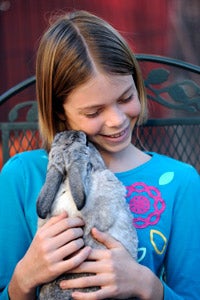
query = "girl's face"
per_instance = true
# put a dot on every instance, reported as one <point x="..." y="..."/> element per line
<point x="106" y="108"/>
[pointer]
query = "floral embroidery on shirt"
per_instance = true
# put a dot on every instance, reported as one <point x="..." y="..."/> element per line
<point x="146" y="204"/>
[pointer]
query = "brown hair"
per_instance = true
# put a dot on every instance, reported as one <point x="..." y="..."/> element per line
<point x="69" y="51"/>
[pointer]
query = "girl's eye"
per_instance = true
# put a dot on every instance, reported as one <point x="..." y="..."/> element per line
<point x="126" y="100"/>
<point x="92" y="115"/>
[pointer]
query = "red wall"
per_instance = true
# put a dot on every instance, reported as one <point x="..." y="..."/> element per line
<point x="141" y="22"/>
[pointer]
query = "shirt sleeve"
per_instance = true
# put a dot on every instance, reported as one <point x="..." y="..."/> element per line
<point x="15" y="233"/>
<point x="4" y="294"/>
<point x="182" y="263"/>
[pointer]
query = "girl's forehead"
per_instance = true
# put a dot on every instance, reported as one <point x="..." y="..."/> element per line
<point x="103" y="85"/>
<point x="106" y="79"/>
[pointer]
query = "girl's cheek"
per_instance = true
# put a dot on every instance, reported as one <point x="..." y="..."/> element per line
<point x="134" y="110"/>
<point x="89" y="126"/>
<point x="92" y="130"/>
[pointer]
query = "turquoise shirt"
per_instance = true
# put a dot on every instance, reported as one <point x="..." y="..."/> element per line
<point x="163" y="195"/>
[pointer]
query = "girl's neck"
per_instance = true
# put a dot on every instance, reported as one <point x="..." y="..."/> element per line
<point x="128" y="159"/>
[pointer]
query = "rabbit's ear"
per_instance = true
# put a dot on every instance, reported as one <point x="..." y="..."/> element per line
<point x="48" y="192"/>
<point x="78" y="182"/>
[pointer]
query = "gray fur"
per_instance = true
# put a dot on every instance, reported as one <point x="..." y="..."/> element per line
<point x="79" y="182"/>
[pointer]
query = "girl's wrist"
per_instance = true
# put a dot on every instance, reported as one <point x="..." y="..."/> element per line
<point x="150" y="287"/>
<point x="20" y="286"/>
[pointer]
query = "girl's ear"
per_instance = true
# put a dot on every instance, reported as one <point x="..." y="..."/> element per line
<point x="58" y="109"/>
<point x="61" y="122"/>
<point x="61" y="116"/>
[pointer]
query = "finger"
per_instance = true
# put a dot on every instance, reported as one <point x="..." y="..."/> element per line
<point x="97" y="295"/>
<point x="81" y="282"/>
<point x="90" y="267"/>
<point x="66" y="237"/>
<point x="53" y="220"/>
<point x="75" y="260"/>
<point x="68" y="249"/>
<point x="63" y="266"/>
<point x="106" y="239"/>
<point x="58" y="225"/>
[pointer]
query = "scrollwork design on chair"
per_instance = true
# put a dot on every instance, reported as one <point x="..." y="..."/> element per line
<point x="31" y="111"/>
<point x="182" y="95"/>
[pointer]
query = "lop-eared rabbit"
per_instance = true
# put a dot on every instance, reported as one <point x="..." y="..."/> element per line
<point x="78" y="182"/>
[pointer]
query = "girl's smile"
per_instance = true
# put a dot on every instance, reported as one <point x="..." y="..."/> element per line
<point x="117" y="137"/>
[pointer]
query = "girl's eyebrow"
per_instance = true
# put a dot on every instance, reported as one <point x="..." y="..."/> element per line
<point x="132" y="86"/>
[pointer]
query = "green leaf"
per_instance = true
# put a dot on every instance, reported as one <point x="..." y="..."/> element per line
<point x="157" y="76"/>
<point x="178" y="93"/>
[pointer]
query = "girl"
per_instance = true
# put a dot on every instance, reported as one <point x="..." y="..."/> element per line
<point x="89" y="80"/>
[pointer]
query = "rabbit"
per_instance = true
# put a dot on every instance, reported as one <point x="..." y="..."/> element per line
<point x="78" y="182"/>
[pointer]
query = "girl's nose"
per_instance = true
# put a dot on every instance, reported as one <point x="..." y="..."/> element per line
<point x="115" y="117"/>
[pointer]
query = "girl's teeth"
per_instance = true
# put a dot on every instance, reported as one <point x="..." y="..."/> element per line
<point x="118" y="135"/>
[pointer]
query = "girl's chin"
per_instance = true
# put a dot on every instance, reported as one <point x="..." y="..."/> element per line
<point x="113" y="147"/>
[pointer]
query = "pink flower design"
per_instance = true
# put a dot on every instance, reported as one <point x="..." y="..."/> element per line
<point x="146" y="203"/>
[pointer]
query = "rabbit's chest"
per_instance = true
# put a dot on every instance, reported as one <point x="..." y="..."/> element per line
<point x="64" y="201"/>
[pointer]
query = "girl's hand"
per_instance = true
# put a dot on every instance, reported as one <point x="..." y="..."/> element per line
<point x="117" y="274"/>
<point x="112" y="270"/>
<point x="55" y="249"/>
